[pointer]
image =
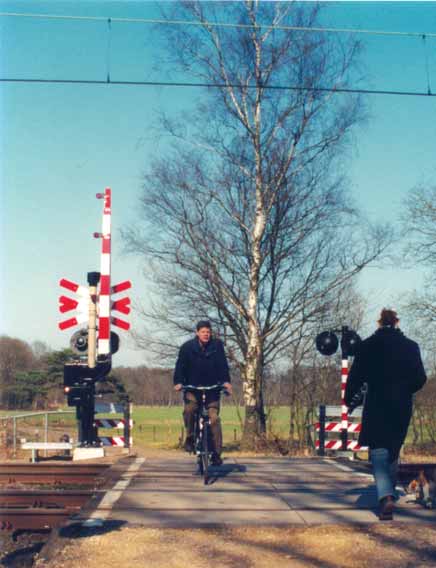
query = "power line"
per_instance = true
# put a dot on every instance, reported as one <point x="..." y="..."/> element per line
<point x="218" y="24"/>
<point x="109" y="81"/>
<point x="110" y="20"/>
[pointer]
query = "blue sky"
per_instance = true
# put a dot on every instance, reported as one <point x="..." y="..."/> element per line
<point x="61" y="144"/>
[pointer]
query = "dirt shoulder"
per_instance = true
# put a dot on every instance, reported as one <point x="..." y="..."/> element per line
<point x="390" y="544"/>
<point x="332" y="546"/>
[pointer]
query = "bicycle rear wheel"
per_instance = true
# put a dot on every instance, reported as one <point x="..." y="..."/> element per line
<point x="205" y="454"/>
<point x="198" y="447"/>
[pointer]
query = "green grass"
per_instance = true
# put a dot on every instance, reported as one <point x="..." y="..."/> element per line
<point x="163" y="426"/>
<point x="154" y="426"/>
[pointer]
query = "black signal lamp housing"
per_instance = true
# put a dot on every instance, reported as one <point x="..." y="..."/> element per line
<point x="327" y="343"/>
<point x="350" y="342"/>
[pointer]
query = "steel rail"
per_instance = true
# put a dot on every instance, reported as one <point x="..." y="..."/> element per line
<point x="53" y="467"/>
<point x="57" y="474"/>
<point x="45" y="499"/>
<point x="57" y="479"/>
<point x="29" y="518"/>
<point x="409" y="471"/>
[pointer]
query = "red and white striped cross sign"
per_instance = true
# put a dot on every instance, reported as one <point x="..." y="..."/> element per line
<point x="122" y="305"/>
<point x="67" y="304"/>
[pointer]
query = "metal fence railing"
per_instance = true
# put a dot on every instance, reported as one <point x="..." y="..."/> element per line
<point x="34" y="426"/>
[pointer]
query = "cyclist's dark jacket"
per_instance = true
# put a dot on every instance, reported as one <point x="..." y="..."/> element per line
<point x="201" y="366"/>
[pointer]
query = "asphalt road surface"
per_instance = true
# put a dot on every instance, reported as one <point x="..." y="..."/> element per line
<point x="166" y="493"/>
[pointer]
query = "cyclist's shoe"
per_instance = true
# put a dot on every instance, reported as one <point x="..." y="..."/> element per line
<point x="189" y="444"/>
<point x="216" y="460"/>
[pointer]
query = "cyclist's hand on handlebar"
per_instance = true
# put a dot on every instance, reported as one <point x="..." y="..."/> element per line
<point x="178" y="387"/>
<point x="228" y="387"/>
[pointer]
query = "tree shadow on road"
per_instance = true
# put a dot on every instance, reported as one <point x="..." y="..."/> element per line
<point x="217" y="472"/>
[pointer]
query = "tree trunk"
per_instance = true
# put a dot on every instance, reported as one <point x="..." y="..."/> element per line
<point x="260" y="407"/>
<point x="255" y="419"/>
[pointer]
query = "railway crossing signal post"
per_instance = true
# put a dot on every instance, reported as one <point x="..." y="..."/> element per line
<point x="327" y="344"/>
<point x="94" y="345"/>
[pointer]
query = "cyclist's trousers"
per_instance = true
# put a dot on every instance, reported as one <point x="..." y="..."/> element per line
<point x="191" y="400"/>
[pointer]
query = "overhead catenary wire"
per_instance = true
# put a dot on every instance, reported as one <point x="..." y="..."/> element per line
<point x="154" y="21"/>
<point x="109" y="81"/>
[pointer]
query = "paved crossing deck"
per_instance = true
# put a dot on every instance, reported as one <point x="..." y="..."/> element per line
<point x="246" y="491"/>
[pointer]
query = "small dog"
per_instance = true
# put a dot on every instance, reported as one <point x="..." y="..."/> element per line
<point x="424" y="490"/>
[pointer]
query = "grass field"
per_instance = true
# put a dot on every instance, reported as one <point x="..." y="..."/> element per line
<point x="163" y="426"/>
<point x="154" y="426"/>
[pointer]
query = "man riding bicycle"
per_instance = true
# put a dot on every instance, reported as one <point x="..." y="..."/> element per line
<point x="202" y="362"/>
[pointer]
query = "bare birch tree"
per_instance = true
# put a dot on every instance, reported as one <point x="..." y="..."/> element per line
<point x="245" y="216"/>
<point x="420" y="228"/>
<point x="419" y="225"/>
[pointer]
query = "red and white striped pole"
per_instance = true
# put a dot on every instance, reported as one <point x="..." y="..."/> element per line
<point x="104" y="302"/>
<point x="344" y="409"/>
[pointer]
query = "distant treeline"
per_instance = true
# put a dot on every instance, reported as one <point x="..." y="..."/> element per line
<point x="154" y="386"/>
<point x="31" y="378"/>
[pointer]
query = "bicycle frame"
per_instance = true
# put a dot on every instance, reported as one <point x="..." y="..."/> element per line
<point x="202" y="430"/>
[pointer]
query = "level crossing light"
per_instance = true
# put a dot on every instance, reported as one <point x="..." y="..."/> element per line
<point x="327" y="344"/>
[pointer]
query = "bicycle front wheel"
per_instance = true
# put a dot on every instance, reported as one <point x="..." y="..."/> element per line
<point x="200" y="468"/>
<point x="205" y="454"/>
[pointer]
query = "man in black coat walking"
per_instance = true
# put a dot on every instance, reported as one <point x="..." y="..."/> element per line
<point x="391" y="365"/>
<point x="202" y="362"/>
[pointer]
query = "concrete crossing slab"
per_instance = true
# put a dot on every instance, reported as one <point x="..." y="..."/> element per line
<point x="329" y="500"/>
<point x="195" y="484"/>
<point x="244" y="492"/>
<point x="204" y="501"/>
<point x="158" y="518"/>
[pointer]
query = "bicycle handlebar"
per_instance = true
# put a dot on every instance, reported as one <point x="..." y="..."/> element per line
<point x="204" y="388"/>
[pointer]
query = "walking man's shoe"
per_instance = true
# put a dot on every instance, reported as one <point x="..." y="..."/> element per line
<point x="189" y="444"/>
<point x="216" y="460"/>
<point x="386" y="508"/>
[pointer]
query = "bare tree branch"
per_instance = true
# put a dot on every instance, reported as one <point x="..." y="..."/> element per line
<point x="246" y="217"/>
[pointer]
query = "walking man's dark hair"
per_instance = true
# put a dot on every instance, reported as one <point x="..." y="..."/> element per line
<point x="388" y="317"/>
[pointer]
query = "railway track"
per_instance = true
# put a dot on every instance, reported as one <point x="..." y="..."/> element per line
<point x="409" y="471"/>
<point x="26" y="503"/>
<point x="24" y="508"/>
<point x="60" y="498"/>
<point x="28" y="518"/>
<point x="406" y="471"/>
<point x="52" y="474"/>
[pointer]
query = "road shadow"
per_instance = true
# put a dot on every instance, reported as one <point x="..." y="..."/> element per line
<point x="222" y="471"/>
<point x="75" y="530"/>
<point x="22" y="557"/>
